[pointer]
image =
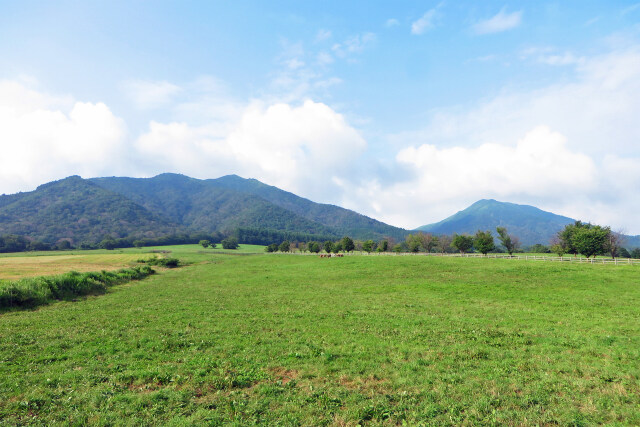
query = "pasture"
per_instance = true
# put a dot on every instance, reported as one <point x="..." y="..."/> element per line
<point x="299" y="340"/>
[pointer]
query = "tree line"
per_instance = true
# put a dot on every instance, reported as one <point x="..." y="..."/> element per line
<point x="578" y="238"/>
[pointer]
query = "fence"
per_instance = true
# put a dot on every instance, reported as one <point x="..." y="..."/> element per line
<point x="569" y="259"/>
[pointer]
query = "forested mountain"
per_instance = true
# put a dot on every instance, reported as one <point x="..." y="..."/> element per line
<point x="78" y="210"/>
<point x="201" y="206"/>
<point x="91" y="210"/>
<point x="530" y="224"/>
<point x="344" y="221"/>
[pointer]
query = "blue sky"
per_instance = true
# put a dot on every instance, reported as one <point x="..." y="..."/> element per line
<point x="404" y="111"/>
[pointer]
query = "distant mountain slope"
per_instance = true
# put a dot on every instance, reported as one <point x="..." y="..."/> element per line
<point x="530" y="224"/>
<point x="344" y="221"/>
<point x="200" y="206"/>
<point x="77" y="209"/>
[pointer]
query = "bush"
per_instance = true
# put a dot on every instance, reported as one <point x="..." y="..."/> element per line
<point x="162" y="262"/>
<point x="41" y="290"/>
<point x="230" y="243"/>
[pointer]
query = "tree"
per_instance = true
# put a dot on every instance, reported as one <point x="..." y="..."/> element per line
<point x="462" y="242"/>
<point x="204" y="243"/>
<point x="635" y="253"/>
<point x="108" y="243"/>
<point x="427" y="240"/>
<point x="230" y="243"/>
<point x="271" y="248"/>
<point x="565" y="237"/>
<point x="285" y="246"/>
<point x="510" y="243"/>
<point x="444" y="243"/>
<point x="328" y="246"/>
<point x="624" y="253"/>
<point x="138" y="243"/>
<point x="614" y="241"/>
<point x="314" y="247"/>
<point x="413" y="242"/>
<point x="542" y="249"/>
<point x="347" y="244"/>
<point x="367" y="246"/>
<point x="558" y="249"/>
<point x="383" y="246"/>
<point x="483" y="241"/>
<point x="337" y="247"/>
<point x="591" y="240"/>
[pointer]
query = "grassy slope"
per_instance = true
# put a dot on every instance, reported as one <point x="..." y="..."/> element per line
<point x="303" y="340"/>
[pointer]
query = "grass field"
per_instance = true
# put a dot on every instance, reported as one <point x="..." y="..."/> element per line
<point x="32" y="264"/>
<point x="294" y="340"/>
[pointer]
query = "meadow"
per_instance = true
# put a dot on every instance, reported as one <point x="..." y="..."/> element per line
<point x="299" y="340"/>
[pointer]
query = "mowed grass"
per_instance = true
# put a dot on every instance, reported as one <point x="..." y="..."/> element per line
<point x="293" y="340"/>
<point x="31" y="264"/>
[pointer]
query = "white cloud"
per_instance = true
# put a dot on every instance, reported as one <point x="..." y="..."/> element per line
<point x="324" y="58"/>
<point x="391" y="22"/>
<point x="45" y="138"/>
<point x="444" y="180"/>
<point x="296" y="148"/>
<point x="503" y="21"/>
<point x="549" y="56"/>
<point x="294" y="63"/>
<point x="425" y="22"/>
<point x="354" y="44"/>
<point x="323" y="35"/>
<point x="148" y="95"/>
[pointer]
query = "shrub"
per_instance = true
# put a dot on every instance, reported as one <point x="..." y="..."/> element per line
<point x="41" y="290"/>
<point x="163" y="262"/>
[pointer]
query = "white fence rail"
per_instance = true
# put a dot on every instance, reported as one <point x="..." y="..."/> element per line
<point x="568" y="259"/>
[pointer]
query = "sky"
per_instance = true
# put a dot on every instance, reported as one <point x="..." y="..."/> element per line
<point x="405" y="111"/>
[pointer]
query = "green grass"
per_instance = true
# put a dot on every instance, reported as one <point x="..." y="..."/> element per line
<point x="294" y="340"/>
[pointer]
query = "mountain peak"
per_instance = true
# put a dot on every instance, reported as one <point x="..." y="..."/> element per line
<point x="530" y="224"/>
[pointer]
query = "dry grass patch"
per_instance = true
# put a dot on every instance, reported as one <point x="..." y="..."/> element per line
<point x="12" y="268"/>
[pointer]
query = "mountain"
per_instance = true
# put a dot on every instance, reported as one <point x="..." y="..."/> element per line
<point x="77" y="209"/>
<point x="530" y="224"/>
<point x="88" y="210"/>
<point x="343" y="221"/>
<point x="201" y="206"/>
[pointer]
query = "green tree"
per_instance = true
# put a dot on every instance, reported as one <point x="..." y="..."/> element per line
<point x="271" y="248"/>
<point x="591" y="240"/>
<point x="413" y="243"/>
<point x="383" y="246"/>
<point x="483" y="241"/>
<point x="328" y="246"/>
<point x="542" y="249"/>
<point x="285" y="246"/>
<point x="337" y="247"/>
<point x="314" y="247"/>
<point x="230" y="243"/>
<point x="623" y="252"/>
<point x="510" y="243"/>
<point x="204" y="243"/>
<point x="347" y="244"/>
<point x="565" y="237"/>
<point x="635" y="253"/>
<point x="558" y="248"/>
<point x="462" y="242"/>
<point x="108" y="243"/>
<point x="138" y="243"/>
<point x="367" y="246"/>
